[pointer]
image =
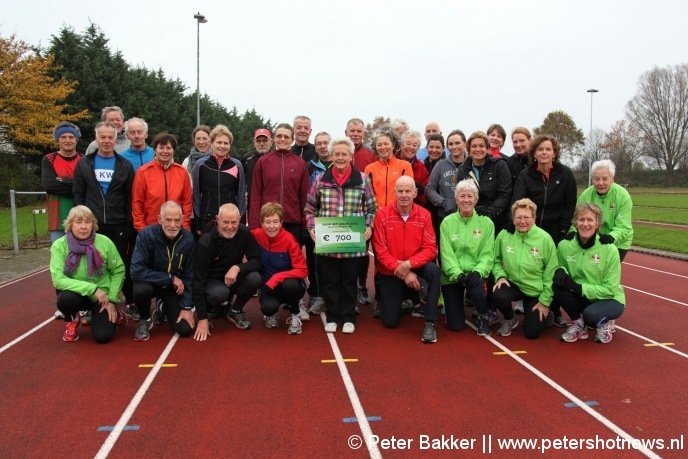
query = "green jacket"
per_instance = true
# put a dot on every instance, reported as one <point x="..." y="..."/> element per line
<point x="466" y="244"/>
<point x="597" y="268"/>
<point x="616" y="208"/>
<point x="110" y="282"/>
<point x="527" y="260"/>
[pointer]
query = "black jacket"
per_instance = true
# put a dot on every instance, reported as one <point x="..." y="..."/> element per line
<point x="305" y="152"/>
<point x="156" y="259"/>
<point x="213" y="257"/>
<point x="555" y="198"/>
<point x="494" y="183"/>
<point x="113" y="208"/>
<point x="516" y="164"/>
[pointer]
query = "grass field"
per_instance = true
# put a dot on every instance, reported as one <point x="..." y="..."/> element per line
<point x="660" y="205"/>
<point x="25" y="219"/>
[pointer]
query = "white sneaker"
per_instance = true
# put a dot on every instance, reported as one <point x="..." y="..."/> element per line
<point x="272" y="321"/>
<point x="317" y="305"/>
<point x="58" y="314"/>
<point x="348" y="327"/>
<point x="331" y="327"/>
<point x="303" y="313"/>
<point x="294" y="325"/>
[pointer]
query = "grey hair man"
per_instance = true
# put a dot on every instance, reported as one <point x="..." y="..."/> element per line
<point x="113" y="115"/>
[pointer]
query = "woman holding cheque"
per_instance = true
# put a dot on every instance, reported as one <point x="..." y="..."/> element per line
<point x="342" y="192"/>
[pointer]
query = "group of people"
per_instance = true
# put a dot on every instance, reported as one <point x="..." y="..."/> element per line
<point x="188" y="243"/>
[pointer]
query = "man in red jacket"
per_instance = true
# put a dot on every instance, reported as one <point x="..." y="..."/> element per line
<point x="405" y="250"/>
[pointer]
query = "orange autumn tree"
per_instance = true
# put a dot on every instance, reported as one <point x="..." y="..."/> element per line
<point x="31" y="101"/>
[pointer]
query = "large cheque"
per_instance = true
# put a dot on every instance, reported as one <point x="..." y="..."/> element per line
<point x="340" y="234"/>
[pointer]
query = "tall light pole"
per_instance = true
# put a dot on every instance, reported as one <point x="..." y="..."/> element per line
<point x="592" y="92"/>
<point x="200" y="19"/>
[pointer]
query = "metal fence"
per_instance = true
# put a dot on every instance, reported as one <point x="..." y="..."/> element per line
<point x="13" y="212"/>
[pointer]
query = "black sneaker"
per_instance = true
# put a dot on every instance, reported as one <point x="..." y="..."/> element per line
<point x="143" y="330"/>
<point x="483" y="325"/>
<point x="363" y="297"/>
<point x="159" y="316"/>
<point x="560" y="322"/>
<point x="238" y="318"/>
<point x="429" y="333"/>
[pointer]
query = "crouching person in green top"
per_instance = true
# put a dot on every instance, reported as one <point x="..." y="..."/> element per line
<point x="525" y="261"/>
<point x="88" y="274"/>
<point x="588" y="283"/>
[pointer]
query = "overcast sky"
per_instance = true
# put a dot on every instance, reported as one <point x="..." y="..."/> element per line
<point x="465" y="64"/>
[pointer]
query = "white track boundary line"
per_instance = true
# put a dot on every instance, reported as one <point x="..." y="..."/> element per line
<point x="656" y="296"/>
<point x="26" y="276"/>
<point x="655" y="270"/>
<point x="650" y="340"/>
<point x="363" y="423"/>
<point x="111" y="439"/>
<point x="579" y="403"/>
<point x="25" y="335"/>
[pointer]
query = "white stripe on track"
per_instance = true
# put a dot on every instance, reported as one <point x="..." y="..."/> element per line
<point x="655" y="270"/>
<point x="363" y="423"/>
<point x="25" y="335"/>
<point x="656" y="296"/>
<point x="26" y="276"/>
<point x="579" y="403"/>
<point x="111" y="439"/>
<point x="650" y="340"/>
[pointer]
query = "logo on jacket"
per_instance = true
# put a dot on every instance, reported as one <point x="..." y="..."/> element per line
<point x="477" y="233"/>
<point x="595" y="259"/>
<point x="534" y="251"/>
<point x="570" y="259"/>
<point x="510" y="249"/>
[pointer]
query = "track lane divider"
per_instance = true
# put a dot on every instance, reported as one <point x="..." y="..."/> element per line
<point x="577" y="401"/>
<point x="361" y="417"/>
<point x="656" y="296"/>
<point x="652" y="342"/>
<point x="26" y="335"/>
<point x="111" y="439"/>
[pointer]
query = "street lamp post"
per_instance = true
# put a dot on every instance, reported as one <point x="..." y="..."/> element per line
<point x="592" y="92"/>
<point x="200" y="19"/>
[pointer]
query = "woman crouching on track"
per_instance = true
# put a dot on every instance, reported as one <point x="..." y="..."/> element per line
<point x="588" y="283"/>
<point x="525" y="261"/>
<point x="284" y="268"/>
<point x="88" y="274"/>
<point x="467" y="254"/>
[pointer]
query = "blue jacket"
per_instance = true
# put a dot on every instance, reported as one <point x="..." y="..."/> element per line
<point x="156" y="259"/>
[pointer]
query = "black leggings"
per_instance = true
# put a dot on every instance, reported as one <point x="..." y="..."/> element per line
<point x="592" y="311"/>
<point x="290" y="291"/>
<point x="502" y="298"/>
<point x="216" y="292"/>
<point x="144" y="291"/>
<point x="70" y="303"/>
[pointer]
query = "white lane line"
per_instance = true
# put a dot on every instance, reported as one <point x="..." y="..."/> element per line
<point x="25" y="335"/>
<point x="655" y="270"/>
<point x="650" y="340"/>
<point x="363" y="423"/>
<point x="579" y="403"/>
<point x="111" y="439"/>
<point x="656" y="296"/>
<point x="26" y="276"/>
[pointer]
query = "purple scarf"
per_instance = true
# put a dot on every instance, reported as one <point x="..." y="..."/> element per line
<point x="77" y="248"/>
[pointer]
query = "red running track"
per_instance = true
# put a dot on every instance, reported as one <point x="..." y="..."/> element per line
<point x="262" y="393"/>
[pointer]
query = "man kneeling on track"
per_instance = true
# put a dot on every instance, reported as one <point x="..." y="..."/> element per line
<point x="284" y="268"/>
<point x="161" y="267"/>
<point x="405" y="248"/>
<point x="220" y="272"/>
<point x="588" y="283"/>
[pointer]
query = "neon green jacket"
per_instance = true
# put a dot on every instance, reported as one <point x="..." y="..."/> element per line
<point x="616" y="208"/>
<point x="110" y="282"/>
<point x="597" y="268"/>
<point x="527" y="260"/>
<point x="466" y="244"/>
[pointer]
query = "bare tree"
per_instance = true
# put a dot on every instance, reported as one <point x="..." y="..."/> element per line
<point x="660" y="112"/>
<point x="624" y="145"/>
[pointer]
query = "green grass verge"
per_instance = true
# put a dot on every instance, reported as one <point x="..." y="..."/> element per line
<point x="651" y="214"/>
<point x="651" y="237"/>
<point x="655" y="198"/>
<point x="24" y="225"/>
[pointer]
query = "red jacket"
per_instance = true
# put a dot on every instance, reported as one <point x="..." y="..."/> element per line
<point x="279" y="176"/>
<point x="396" y="240"/>
<point x="421" y="176"/>
<point x="153" y="186"/>
<point x="282" y="257"/>
<point x="363" y="157"/>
